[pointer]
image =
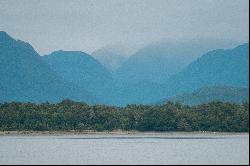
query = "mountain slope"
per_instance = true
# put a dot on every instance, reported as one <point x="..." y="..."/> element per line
<point x="79" y="68"/>
<point x="214" y="93"/>
<point x="26" y="77"/>
<point x="138" y="93"/>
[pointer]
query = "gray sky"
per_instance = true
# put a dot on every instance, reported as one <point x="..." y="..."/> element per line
<point x="91" y="24"/>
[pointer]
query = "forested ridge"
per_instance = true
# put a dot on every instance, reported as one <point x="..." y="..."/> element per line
<point x="69" y="115"/>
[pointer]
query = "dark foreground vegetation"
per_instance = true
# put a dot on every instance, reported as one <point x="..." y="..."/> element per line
<point x="69" y="115"/>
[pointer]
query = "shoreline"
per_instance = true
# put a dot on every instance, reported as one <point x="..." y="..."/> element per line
<point x="118" y="133"/>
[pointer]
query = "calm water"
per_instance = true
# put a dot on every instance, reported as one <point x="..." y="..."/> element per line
<point x="121" y="149"/>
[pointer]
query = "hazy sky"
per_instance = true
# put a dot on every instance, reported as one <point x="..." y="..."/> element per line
<point x="91" y="24"/>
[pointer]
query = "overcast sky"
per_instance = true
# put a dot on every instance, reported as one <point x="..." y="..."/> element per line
<point x="87" y="25"/>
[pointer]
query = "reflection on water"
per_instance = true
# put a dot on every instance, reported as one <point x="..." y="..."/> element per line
<point x="124" y="149"/>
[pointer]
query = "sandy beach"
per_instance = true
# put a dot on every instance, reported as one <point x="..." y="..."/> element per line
<point x="117" y="132"/>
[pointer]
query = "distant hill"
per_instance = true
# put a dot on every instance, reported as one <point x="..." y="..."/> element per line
<point x="209" y="94"/>
<point x="80" y="69"/>
<point x="26" y="77"/>
<point x="228" y="67"/>
<point x="112" y="58"/>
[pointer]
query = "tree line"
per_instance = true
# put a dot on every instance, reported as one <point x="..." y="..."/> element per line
<point x="69" y="115"/>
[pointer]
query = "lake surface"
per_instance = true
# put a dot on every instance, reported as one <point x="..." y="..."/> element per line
<point x="125" y="149"/>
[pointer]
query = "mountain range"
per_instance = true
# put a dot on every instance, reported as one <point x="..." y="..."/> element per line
<point x="158" y="61"/>
<point x="155" y="73"/>
<point x="227" y="67"/>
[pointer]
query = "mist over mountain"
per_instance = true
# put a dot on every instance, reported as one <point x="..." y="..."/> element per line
<point x="213" y="93"/>
<point x="26" y="77"/>
<point x="158" y="61"/>
<point x="111" y="57"/>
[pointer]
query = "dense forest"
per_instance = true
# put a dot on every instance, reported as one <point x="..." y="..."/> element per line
<point x="69" y="115"/>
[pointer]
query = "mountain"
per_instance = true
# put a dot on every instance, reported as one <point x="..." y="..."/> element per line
<point x="214" y="93"/>
<point x="158" y="61"/>
<point x="219" y="67"/>
<point x="80" y="69"/>
<point x="26" y="77"/>
<point x="112" y="58"/>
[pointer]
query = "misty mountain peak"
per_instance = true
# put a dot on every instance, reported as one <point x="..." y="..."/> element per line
<point x="111" y="57"/>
